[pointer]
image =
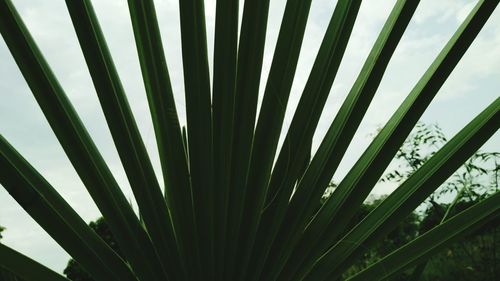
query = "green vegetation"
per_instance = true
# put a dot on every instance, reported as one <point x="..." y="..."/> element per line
<point x="403" y="233"/>
<point x="475" y="257"/>
<point x="73" y="270"/>
<point x="234" y="207"/>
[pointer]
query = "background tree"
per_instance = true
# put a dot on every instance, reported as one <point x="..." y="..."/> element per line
<point x="476" y="256"/>
<point x="74" y="270"/>
<point x="403" y="233"/>
<point x="476" y="179"/>
<point x="420" y="145"/>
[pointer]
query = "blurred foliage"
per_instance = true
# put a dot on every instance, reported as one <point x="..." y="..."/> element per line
<point x="422" y="143"/>
<point x="403" y="233"/>
<point x="479" y="176"/>
<point x="477" y="255"/>
<point x="73" y="270"/>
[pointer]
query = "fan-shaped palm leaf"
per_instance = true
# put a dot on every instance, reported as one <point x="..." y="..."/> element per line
<point x="230" y="211"/>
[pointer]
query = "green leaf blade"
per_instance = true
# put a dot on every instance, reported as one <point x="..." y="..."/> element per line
<point x="25" y="267"/>
<point x="173" y="154"/>
<point x="270" y="122"/>
<point x="409" y="195"/>
<point x="249" y="67"/>
<point x="297" y="145"/>
<point x="329" y="222"/>
<point x="53" y="214"/>
<point x="432" y="241"/>
<point x="199" y="127"/>
<point x="125" y="133"/>
<point x="327" y="158"/>
<point x="224" y="83"/>
<point x="78" y="146"/>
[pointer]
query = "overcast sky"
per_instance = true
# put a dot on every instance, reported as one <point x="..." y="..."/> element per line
<point x="473" y="85"/>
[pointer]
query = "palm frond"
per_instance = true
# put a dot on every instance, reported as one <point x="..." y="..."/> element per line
<point x="236" y="206"/>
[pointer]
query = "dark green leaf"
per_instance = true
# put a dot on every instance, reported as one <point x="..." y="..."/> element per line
<point x="25" y="267"/>
<point x="78" y="146"/>
<point x="335" y="214"/>
<point x="125" y="133"/>
<point x="52" y="213"/>
<point x="432" y="241"/>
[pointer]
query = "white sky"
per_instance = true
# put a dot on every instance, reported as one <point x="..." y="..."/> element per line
<point x="472" y="86"/>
